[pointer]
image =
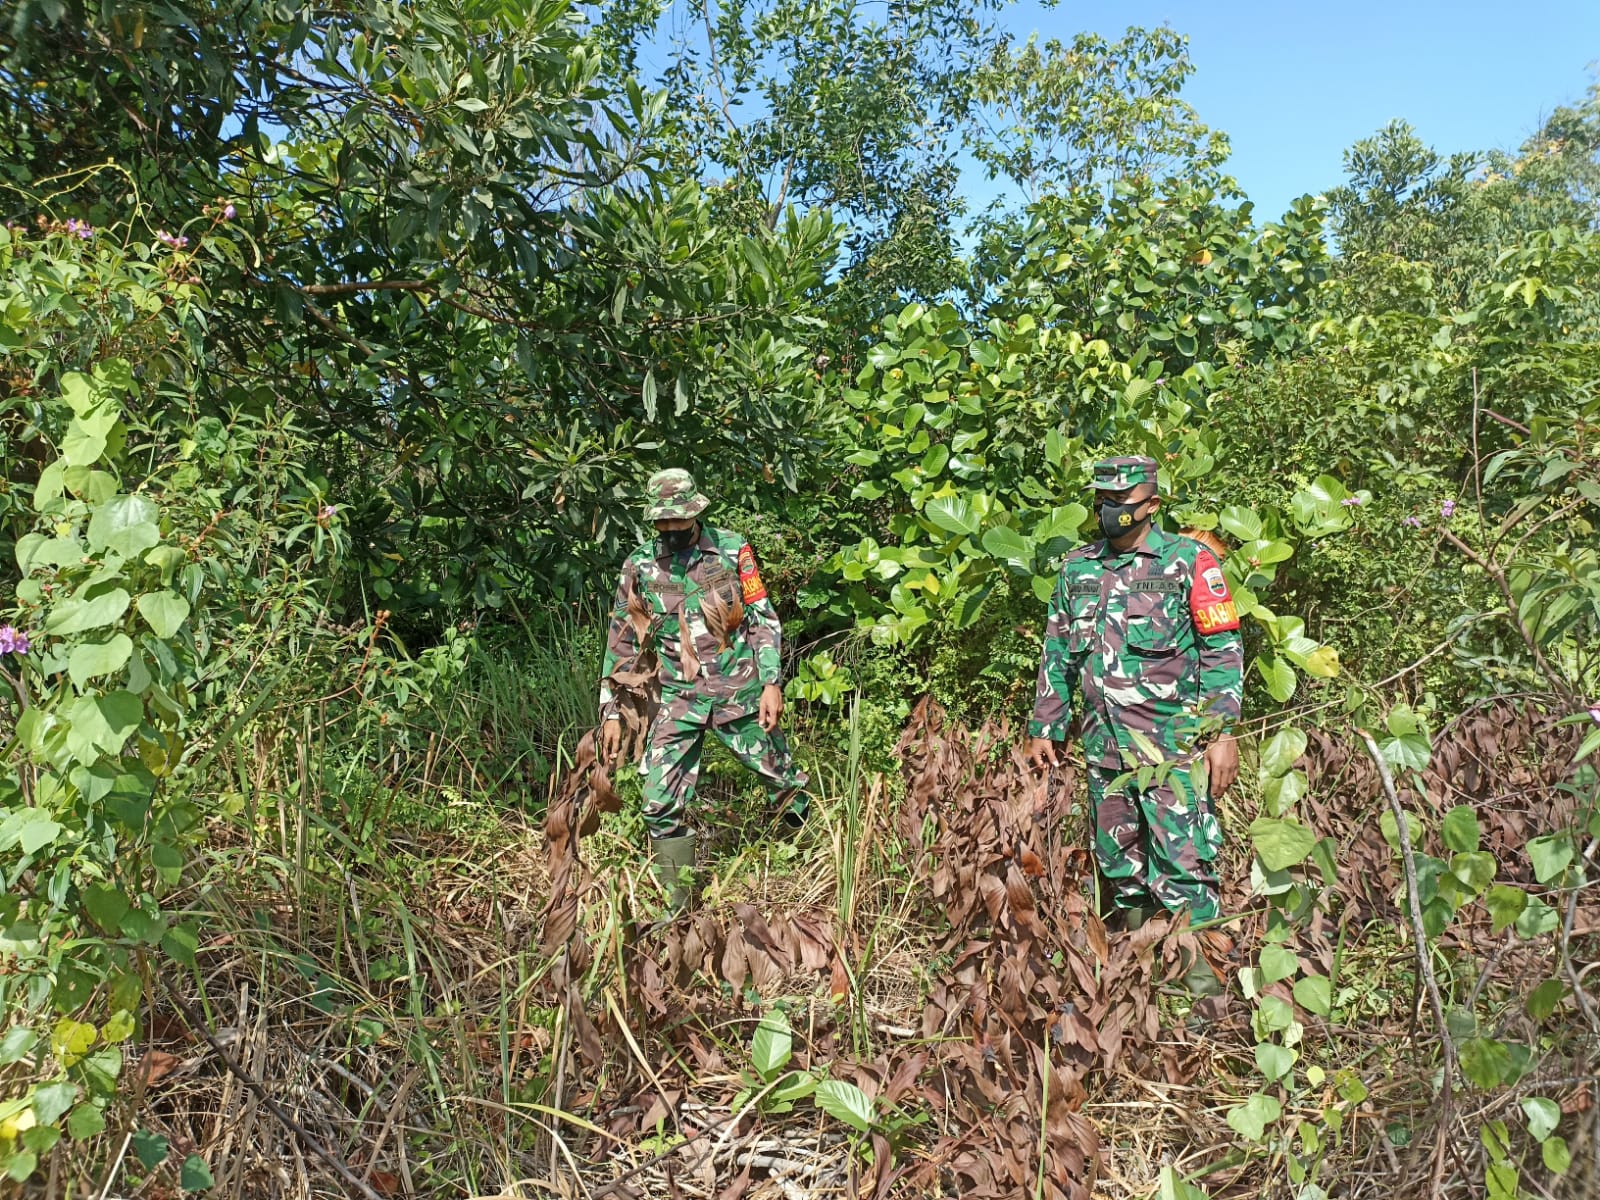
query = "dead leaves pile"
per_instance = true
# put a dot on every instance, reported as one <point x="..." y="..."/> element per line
<point x="1032" y="997"/>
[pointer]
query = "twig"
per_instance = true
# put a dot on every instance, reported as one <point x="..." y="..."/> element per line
<point x="1419" y="933"/>
<point x="1584" y="1006"/>
<point x="340" y="1168"/>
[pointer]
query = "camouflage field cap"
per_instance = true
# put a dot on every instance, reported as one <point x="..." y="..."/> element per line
<point x="673" y="495"/>
<point x="1119" y="474"/>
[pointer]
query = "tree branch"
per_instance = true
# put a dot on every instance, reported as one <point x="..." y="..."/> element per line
<point x="1419" y="934"/>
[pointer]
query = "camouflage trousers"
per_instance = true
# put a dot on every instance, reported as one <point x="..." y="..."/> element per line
<point x="671" y="765"/>
<point x="1156" y="844"/>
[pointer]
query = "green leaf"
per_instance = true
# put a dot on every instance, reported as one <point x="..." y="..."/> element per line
<point x="845" y="1102"/>
<point x="1274" y="1061"/>
<point x="1273" y="1014"/>
<point x="52" y="1100"/>
<point x="22" y="1165"/>
<point x="1251" y="1118"/>
<point x="1537" y="918"/>
<point x="79" y="392"/>
<point x="1278" y="962"/>
<point x="30" y="828"/>
<point x="149" y="1148"/>
<point x="1505" y="904"/>
<point x="87" y="1120"/>
<point x="107" y="905"/>
<point x="953" y="514"/>
<point x="195" y="1176"/>
<point x="1550" y="855"/>
<point x="1460" y="829"/>
<point x="772" y="1045"/>
<point x="1242" y="523"/>
<point x="1485" y="1062"/>
<point x="1010" y="547"/>
<point x="77" y="615"/>
<point x="1543" y="1116"/>
<point x="16" y="1044"/>
<point x="1314" y="994"/>
<point x="1279" y="677"/>
<point x="1543" y="999"/>
<point x="126" y="525"/>
<point x="180" y="942"/>
<point x="89" y="660"/>
<point x="102" y="722"/>
<point x="1557" y="1157"/>
<point x="164" y="611"/>
<point x="1284" y="792"/>
<point x="1282" y="752"/>
<point x="1280" y="843"/>
<point x="1474" y="868"/>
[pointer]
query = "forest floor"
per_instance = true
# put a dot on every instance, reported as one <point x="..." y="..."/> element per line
<point x="913" y="998"/>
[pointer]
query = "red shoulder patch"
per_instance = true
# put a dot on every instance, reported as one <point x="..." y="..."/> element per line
<point x="750" y="576"/>
<point x="1210" y="602"/>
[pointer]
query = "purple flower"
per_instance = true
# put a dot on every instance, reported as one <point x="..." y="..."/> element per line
<point x="1414" y="522"/>
<point x="229" y="212"/>
<point x="1447" y="509"/>
<point x="82" y="228"/>
<point x="176" y="241"/>
<point x="327" y="512"/>
<point x="1594" y="713"/>
<point x="1351" y="502"/>
<point x="13" y="640"/>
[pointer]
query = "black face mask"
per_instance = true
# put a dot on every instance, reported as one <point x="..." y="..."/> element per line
<point x="1119" y="520"/>
<point x="676" y="540"/>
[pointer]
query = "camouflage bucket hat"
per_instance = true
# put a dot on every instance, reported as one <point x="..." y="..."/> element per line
<point x="672" y="495"/>
<point x="1119" y="474"/>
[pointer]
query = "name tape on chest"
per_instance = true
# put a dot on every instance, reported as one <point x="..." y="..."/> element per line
<point x="1168" y="587"/>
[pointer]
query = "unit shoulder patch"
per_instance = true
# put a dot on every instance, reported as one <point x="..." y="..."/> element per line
<point x="750" y="576"/>
<point x="1210" y="603"/>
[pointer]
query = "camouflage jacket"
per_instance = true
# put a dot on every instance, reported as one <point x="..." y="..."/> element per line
<point x="1149" y="640"/>
<point x="705" y="617"/>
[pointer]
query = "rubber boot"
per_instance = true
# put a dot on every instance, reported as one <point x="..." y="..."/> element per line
<point x="1200" y="980"/>
<point x="796" y="807"/>
<point x="1134" y="918"/>
<point x="672" y="861"/>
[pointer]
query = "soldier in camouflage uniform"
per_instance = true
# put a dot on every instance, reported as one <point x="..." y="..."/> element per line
<point x="694" y="597"/>
<point x="1143" y="630"/>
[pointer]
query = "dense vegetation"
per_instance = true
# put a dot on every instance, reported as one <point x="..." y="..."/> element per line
<point x="337" y="346"/>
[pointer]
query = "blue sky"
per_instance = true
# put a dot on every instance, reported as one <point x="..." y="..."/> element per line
<point x="1293" y="85"/>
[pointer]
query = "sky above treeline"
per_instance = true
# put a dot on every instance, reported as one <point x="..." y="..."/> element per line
<point x="1293" y="85"/>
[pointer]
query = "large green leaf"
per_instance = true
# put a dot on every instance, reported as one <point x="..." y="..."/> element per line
<point x="126" y="525"/>
<point x="772" y="1046"/>
<point x="89" y="660"/>
<point x="953" y="514"/>
<point x="1251" y="1118"/>
<point x="1279" y="677"/>
<point x="1280" y="843"/>
<point x="1282" y="752"/>
<point x="1010" y="547"/>
<point x="78" y="615"/>
<point x="845" y="1102"/>
<point x="1550" y="855"/>
<point x="164" y="611"/>
<point x="1459" y="829"/>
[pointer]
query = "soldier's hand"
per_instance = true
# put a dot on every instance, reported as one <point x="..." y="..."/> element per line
<point x="771" y="710"/>
<point x="1042" y="754"/>
<point x="610" y="740"/>
<point x="1222" y="765"/>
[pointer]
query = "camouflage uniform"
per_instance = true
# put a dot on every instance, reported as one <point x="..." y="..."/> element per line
<point x="716" y="638"/>
<point x="1149" y="641"/>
